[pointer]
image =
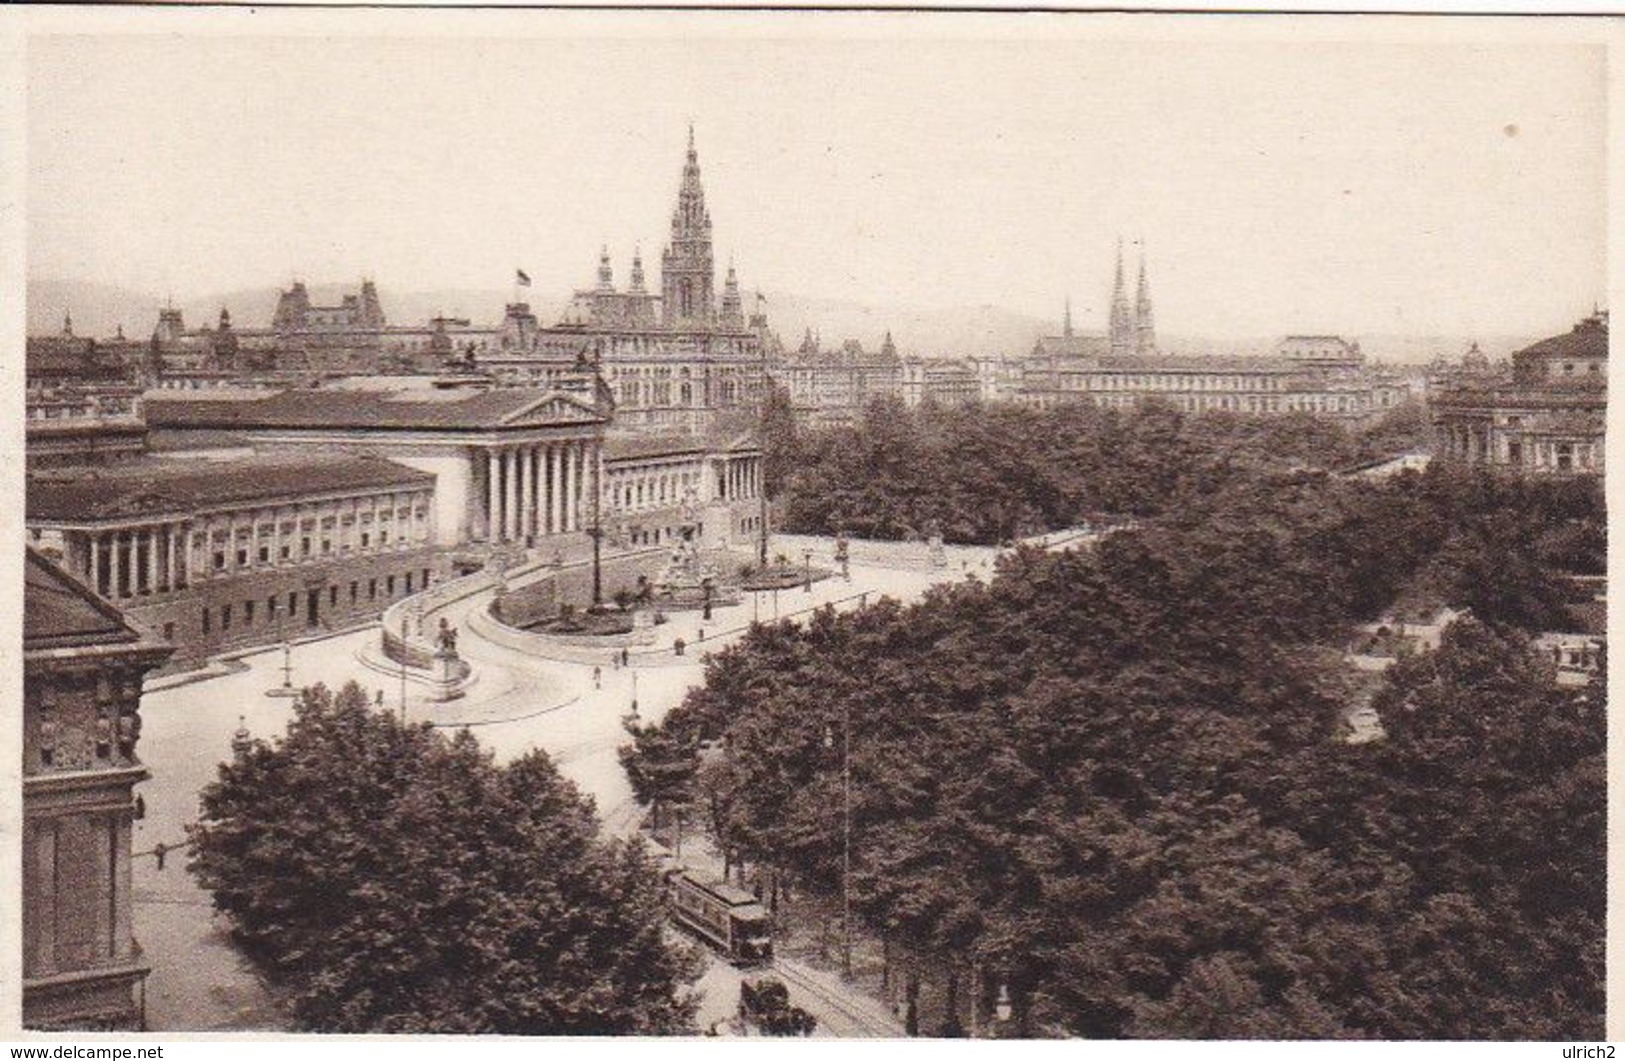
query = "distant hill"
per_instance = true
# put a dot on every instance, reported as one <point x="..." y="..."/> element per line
<point x="98" y="309"/>
<point x="959" y="331"/>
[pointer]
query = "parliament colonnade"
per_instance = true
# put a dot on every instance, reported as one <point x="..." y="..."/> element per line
<point x="529" y="490"/>
<point x="160" y="555"/>
<point x="650" y="481"/>
<point x="739" y="478"/>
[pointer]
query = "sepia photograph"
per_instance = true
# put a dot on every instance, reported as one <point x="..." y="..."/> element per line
<point x="805" y="524"/>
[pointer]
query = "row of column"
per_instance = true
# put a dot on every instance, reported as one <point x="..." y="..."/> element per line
<point x="126" y="563"/>
<point x="740" y="479"/>
<point x="1468" y="443"/>
<point x="536" y="490"/>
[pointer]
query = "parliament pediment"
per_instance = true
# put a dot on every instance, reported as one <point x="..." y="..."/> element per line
<point x="550" y="411"/>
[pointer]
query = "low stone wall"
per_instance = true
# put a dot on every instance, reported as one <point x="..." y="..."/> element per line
<point x="564" y="648"/>
<point x="529" y="604"/>
<point x="410" y="627"/>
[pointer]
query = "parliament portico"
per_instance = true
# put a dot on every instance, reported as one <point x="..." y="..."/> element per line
<point x="511" y="465"/>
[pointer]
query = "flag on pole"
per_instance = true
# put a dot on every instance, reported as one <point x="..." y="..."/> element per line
<point x="521" y="278"/>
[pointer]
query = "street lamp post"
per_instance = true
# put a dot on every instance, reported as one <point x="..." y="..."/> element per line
<point x="846" y="835"/>
<point x="762" y="539"/>
<point x="597" y="533"/>
<point x="286" y="689"/>
<point x="807" y="570"/>
<point x="404" y="621"/>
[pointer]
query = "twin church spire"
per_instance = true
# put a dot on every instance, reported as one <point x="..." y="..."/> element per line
<point x="1133" y="330"/>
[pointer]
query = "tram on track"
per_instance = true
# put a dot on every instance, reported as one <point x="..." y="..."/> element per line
<point x="728" y="918"/>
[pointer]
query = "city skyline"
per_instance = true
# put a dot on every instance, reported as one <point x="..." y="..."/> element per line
<point x="1277" y="187"/>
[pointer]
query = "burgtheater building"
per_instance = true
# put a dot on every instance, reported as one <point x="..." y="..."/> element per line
<point x="1544" y="417"/>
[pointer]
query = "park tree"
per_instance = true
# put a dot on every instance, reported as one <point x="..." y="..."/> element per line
<point x="780" y="449"/>
<point x="1109" y="780"/>
<point x="391" y="879"/>
<point x="661" y="763"/>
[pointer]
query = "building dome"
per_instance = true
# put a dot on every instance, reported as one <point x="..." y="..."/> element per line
<point x="1578" y="356"/>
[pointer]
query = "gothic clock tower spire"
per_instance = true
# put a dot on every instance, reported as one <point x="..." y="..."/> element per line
<point x="687" y="275"/>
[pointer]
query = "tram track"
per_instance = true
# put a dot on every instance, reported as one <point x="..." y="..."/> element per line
<point x="859" y="1021"/>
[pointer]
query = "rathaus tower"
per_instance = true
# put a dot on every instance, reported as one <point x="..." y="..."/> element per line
<point x="686" y="273"/>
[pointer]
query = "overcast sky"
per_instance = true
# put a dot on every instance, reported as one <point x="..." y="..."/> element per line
<point x="1280" y="185"/>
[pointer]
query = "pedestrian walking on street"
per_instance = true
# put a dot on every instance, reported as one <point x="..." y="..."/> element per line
<point x="597" y="677"/>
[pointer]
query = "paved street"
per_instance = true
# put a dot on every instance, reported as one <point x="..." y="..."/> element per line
<point x="516" y="703"/>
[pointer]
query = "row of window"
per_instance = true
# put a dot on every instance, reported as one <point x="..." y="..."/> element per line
<point x="1164" y="381"/>
<point x="307" y="545"/>
<point x="306" y="549"/>
<point x="243" y="612"/>
<point x="653" y="490"/>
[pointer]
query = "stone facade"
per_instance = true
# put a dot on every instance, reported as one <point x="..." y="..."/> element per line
<point x="1320" y="374"/>
<point x="84" y="425"/>
<point x="82" y="671"/>
<point x="655" y="486"/>
<point x="671" y="362"/>
<point x="216" y="555"/>
<point x="511" y="465"/>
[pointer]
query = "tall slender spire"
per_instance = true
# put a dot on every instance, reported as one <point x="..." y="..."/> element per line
<point x="1122" y="320"/>
<point x="1145" y="332"/>
<point x="606" y="275"/>
<point x="1066" y="322"/>
<point x="687" y="275"/>
<point x="637" y="271"/>
<point x="732" y="316"/>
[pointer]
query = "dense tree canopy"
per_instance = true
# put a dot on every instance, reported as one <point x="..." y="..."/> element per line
<point x="990" y="473"/>
<point x="392" y="880"/>
<point x="1116" y="778"/>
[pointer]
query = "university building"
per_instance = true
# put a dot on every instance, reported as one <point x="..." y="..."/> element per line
<point x="1545" y="416"/>
<point x="83" y="665"/>
<point x="1320" y="374"/>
